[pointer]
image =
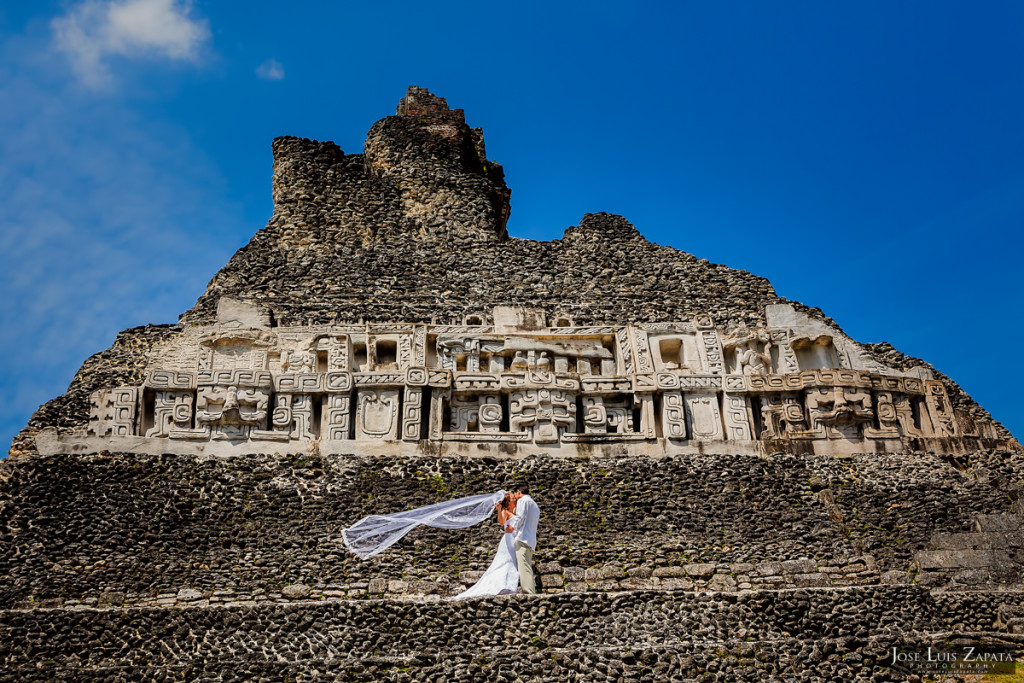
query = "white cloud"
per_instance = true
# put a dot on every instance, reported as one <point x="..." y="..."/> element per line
<point x="270" y="70"/>
<point x="94" y="30"/>
<point x="107" y="220"/>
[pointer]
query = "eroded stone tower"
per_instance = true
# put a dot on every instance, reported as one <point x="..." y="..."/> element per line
<point x="728" y="482"/>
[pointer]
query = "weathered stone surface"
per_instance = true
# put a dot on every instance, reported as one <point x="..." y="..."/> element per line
<point x="951" y="559"/>
<point x="700" y="570"/>
<point x="673" y="636"/>
<point x="999" y="523"/>
<point x="295" y="591"/>
<point x="144" y="525"/>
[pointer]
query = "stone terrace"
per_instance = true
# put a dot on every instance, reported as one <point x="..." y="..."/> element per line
<point x="800" y="635"/>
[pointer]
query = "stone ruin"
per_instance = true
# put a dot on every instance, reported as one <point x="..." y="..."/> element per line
<point x="513" y="376"/>
<point x="731" y="487"/>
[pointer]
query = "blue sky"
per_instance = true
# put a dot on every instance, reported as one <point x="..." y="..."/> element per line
<point x="868" y="158"/>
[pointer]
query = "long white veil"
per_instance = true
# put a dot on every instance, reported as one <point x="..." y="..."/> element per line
<point x="374" y="534"/>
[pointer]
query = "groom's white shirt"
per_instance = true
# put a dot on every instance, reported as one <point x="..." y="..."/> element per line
<point x="524" y="523"/>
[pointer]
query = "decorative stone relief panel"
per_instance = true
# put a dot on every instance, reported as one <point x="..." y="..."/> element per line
<point x="737" y="417"/>
<point x="704" y="417"/>
<point x="673" y="415"/>
<point x="684" y="382"/>
<point x="412" y="414"/>
<point x="377" y="414"/>
<point x="337" y="417"/>
<point x="943" y="421"/>
<point x="548" y="413"/>
<point x="172" y="411"/>
<point x="839" y="412"/>
<point x="113" y="412"/>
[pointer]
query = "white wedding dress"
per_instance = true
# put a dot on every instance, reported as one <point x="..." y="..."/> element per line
<point x="374" y="534"/>
<point x="501" y="578"/>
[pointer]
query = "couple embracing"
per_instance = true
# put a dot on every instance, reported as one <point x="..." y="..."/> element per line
<point x="512" y="566"/>
<point x="518" y="516"/>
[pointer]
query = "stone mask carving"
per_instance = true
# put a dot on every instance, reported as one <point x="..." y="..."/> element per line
<point x="230" y="405"/>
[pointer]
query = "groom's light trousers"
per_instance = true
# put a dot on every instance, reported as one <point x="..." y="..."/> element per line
<point x="524" y="559"/>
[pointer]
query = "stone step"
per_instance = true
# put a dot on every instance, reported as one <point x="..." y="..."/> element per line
<point x="1000" y="522"/>
<point x="731" y="660"/>
<point x="929" y="560"/>
<point x="985" y="540"/>
<point x="632" y="635"/>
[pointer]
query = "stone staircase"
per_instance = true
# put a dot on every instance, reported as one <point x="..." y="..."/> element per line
<point x="835" y="634"/>
<point x="990" y="555"/>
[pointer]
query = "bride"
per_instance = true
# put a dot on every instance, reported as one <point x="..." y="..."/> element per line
<point x="374" y="534"/>
<point x="502" y="577"/>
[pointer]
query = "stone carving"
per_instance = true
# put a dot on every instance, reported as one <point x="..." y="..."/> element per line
<point x="643" y="352"/>
<point x="337" y="349"/>
<point x="232" y="411"/>
<point x="490" y="414"/>
<point x="886" y="415"/>
<point x="943" y="422"/>
<point x="466" y="381"/>
<point x="750" y="351"/>
<point x="595" y="416"/>
<point x="606" y="385"/>
<point x="305" y="383"/>
<point x="711" y="351"/>
<point x="370" y="379"/>
<point x="338" y="381"/>
<point x="737" y="417"/>
<point x="606" y="416"/>
<point x="337" y="417"/>
<point x="435" y="424"/>
<point x="673" y="413"/>
<point x="839" y="412"/>
<point x="909" y="425"/>
<point x="465" y="413"/>
<point x="412" y="413"/>
<point x="232" y="402"/>
<point x="113" y="412"/>
<point x="703" y="417"/>
<point x="377" y="414"/>
<point x="300" y="360"/>
<point x="547" y="412"/>
<point x="625" y="350"/>
<point x="405" y="355"/>
<point x="682" y="382"/>
<point x="787" y="359"/>
<point x="419" y="346"/>
<point x="293" y="415"/>
<point x="172" y="411"/>
<point x="170" y="380"/>
<point x="783" y="417"/>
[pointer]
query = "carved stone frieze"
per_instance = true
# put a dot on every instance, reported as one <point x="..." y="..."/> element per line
<point x="683" y="382"/>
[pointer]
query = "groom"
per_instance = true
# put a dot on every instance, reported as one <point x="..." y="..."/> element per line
<point x="524" y="527"/>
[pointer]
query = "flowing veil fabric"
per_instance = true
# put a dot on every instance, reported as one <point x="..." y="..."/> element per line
<point x="374" y="534"/>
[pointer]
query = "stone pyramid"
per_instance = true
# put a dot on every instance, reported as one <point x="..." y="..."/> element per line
<point x="731" y="487"/>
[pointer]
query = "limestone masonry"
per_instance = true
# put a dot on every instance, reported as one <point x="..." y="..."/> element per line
<point x="714" y="464"/>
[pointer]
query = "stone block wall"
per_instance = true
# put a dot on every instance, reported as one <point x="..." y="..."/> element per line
<point x="123" y="529"/>
<point x="991" y="553"/>
<point x="805" y="634"/>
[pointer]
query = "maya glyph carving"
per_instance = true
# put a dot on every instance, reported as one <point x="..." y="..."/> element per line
<point x="686" y="381"/>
